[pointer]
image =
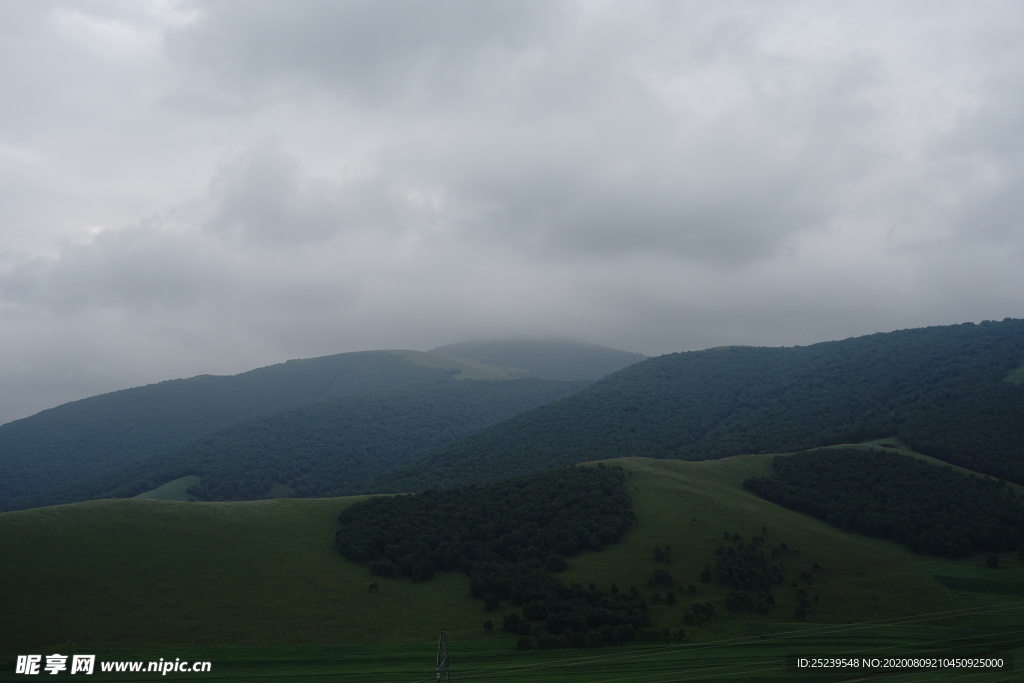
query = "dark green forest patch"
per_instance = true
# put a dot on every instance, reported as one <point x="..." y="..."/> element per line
<point x="887" y="495"/>
<point x="509" y="538"/>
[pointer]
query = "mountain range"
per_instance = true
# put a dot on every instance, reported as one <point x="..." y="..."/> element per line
<point x="303" y="427"/>
<point x="735" y="553"/>
<point x="393" y="421"/>
<point x="953" y="392"/>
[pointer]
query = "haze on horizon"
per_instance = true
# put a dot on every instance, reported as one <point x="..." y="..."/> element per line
<point x="208" y="187"/>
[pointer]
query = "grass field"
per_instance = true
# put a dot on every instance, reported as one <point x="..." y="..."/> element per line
<point x="258" y="589"/>
<point x="173" y="490"/>
<point x="1016" y="376"/>
<point x="466" y="369"/>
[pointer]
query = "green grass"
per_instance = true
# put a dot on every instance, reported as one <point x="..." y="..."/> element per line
<point x="258" y="589"/>
<point x="1015" y="376"/>
<point x="984" y="586"/>
<point x="466" y="369"/>
<point x="248" y="573"/>
<point x="689" y="505"/>
<point x="173" y="490"/>
<point x="752" y="657"/>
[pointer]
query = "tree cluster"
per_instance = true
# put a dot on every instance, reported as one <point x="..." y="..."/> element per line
<point x="508" y="538"/>
<point x="929" y="509"/>
<point x="743" y="568"/>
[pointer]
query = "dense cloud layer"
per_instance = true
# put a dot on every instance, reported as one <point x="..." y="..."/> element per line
<point x="211" y="186"/>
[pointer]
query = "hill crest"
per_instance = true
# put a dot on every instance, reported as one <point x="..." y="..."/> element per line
<point x="551" y="358"/>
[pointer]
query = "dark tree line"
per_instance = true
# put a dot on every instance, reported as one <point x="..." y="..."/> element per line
<point x="508" y="538"/>
<point x="929" y="509"/>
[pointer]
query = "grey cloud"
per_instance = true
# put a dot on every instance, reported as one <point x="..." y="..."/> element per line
<point x="536" y="166"/>
<point x="723" y="193"/>
<point x="373" y="52"/>
<point x="983" y="166"/>
<point x="570" y="217"/>
<point x="264" y="196"/>
<point x="654" y="176"/>
<point x="142" y="268"/>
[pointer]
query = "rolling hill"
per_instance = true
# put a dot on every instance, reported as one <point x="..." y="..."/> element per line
<point x="945" y="391"/>
<point x="260" y="589"/>
<point x="350" y="416"/>
<point x="108" y="432"/>
<point x="327" y="447"/>
<point x="375" y="422"/>
<point x="544" y="358"/>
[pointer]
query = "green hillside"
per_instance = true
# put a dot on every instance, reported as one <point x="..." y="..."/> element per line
<point x="940" y="389"/>
<point x="260" y="589"/>
<point x="176" y="489"/>
<point x="328" y="447"/>
<point x="111" y="431"/>
<point x="305" y="427"/>
<point x="545" y="358"/>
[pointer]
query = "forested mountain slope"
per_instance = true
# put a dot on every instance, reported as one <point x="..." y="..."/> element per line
<point x="108" y="432"/>
<point x="328" y="447"/>
<point x="545" y="358"/>
<point x="943" y="390"/>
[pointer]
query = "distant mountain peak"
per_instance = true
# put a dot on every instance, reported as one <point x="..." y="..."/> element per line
<point x="544" y="357"/>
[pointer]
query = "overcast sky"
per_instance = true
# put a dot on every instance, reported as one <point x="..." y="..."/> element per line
<point x="208" y="187"/>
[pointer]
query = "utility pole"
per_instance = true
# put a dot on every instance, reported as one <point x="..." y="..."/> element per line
<point x="443" y="675"/>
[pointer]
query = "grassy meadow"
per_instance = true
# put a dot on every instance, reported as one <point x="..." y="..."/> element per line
<point x="258" y="589"/>
<point x="173" y="490"/>
<point x="465" y="369"/>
